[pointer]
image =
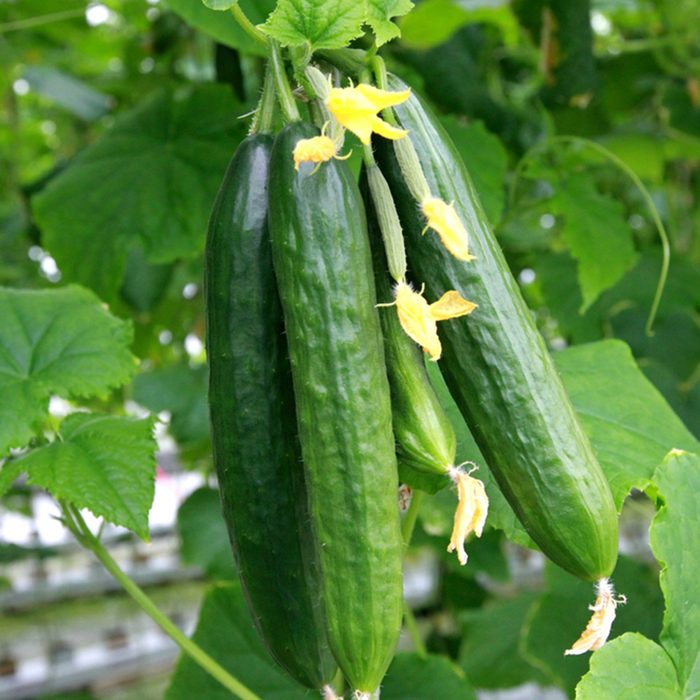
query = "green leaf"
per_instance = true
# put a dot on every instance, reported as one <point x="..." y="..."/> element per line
<point x="318" y="24"/>
<point x="596" y="233"/>
<point x="58" y="341"/>
<point x="561" y="614"/>
<point x="486" y="160"/>
<point x="435" y="21"/>
<point x="380" y="14"/>
<point x="490" y="654"/>
<point x="226" y="633"/>
<point x="8" y="473"/>
<point x="411" y="677"/>
<point x="103" y="463"/>
<point x="149" y="181"/>
<point x="203" y="538"/>
<point x="182" y="391"/>
<point x="630" y="424"/>
<point x="630" y="667"/>
<point x="675" y="543"/>
<point x="221" y="26"/>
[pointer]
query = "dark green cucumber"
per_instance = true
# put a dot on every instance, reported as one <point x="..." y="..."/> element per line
<point x="324" y="273"/>
<point x="499" y="370"/>
<point x="425" y="438"/>
<point x="256" y="451"/>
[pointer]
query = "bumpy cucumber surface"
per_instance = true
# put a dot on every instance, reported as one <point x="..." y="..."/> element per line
<point x="425" y="439"/>
<point x="324" y="273"/>
<point x="256" y="451"/>
<point x="499" y="370"/>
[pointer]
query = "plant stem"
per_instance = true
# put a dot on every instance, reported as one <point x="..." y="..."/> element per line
<point x="284" y="93"/>
<point x="609" y="155"/>
<point x="77" y="525"/>
<point x="247" y="26"/>
<point x="264" y="114"/>
<point x="413" y="631"/>
<point x="381" y="78"/>
<point x="409" y="520"/>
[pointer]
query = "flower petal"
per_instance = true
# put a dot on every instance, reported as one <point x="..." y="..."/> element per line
<point x="317" y="149"/>
<point x="381" y="99"/>
<point x="471" y="512"/>
<point x="379" y="126"/>
<point x="451" y="305"/>
<point x="416" y="320"/>
<point x="443" y="218"/>
<point x="599" y="626"/>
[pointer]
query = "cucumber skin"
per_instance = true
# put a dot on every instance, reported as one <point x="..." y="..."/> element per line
<point x="323" y="267"/>
<point x="256" y="452"/>
<point x="425" y="438"/>
<point x="499" y="370"/>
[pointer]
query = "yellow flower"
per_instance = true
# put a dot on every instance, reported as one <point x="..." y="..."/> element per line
<point x="471" y="512"/>
<point x="443" y="218"/>
<point x="419" y="319"/>
<point x="356" y="108"/>
<point x="599" y="626"/>
<point x="317" y="149"/>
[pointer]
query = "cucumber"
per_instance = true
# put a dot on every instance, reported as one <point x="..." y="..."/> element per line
<point x="499" y="370"/>
<point x="324" y="273"/>
<point x="256" y="452"/>
<point x="425" y="438"/>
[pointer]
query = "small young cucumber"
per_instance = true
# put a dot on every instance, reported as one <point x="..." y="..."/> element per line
<point x="499" y="370"/>
<point x="324" y="273"/>
<point x="425" y="438"/>
<point x="256" y="452"/>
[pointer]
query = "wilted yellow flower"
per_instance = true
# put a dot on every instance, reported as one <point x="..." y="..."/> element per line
<point x="356" y="108"/>
<point x="599" y="626"/>
<point x="419" y="319"/>
<point x="451" y="305"/>
<point x="471" y="512"/>
<point x="416" y="319"/>
<point x="443" y="218"/>
<point x="317" y="149"/>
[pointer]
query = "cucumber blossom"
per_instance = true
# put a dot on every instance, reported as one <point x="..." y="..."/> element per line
<point x="256" y="451"/>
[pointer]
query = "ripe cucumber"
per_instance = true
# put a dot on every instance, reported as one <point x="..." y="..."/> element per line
<point x="323" y="266"/>
<point x="256" y="452"/>
<point x="498" y="368"/>
<point x="425" y="438"/>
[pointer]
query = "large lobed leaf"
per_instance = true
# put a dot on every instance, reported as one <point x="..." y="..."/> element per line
<point x="675" y="542"/>
<point x="630" y="424"/>
<point x="597" y="235"/>
<point x="148" y="182"/>
<point x="103" y="463"/>
<point x="58" y="341"/>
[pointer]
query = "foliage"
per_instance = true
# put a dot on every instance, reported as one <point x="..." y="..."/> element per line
<point x="110" y="159"/>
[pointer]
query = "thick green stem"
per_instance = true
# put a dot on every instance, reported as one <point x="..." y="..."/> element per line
<point x="284" y="92"/>
<point x="264" y="114"/>
<point x="77" y="525"/>
<point x="247" y="26"/>
<point x="609" y="155"/>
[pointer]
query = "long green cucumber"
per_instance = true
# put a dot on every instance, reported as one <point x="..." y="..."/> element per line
<point x="499" y="370"/>
<point x="425" y="438"/>
<point x="324" y="272"/>
<point x="256" y="451"/>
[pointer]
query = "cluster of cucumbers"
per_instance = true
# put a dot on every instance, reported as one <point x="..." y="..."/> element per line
<point x="316" y="395"/>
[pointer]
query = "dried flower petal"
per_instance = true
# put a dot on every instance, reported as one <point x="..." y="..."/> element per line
<point x="443" y="218"/>
<point x="598" y="627"/>
<point x="451" y="305"/>
<point x="471" y="512"/>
